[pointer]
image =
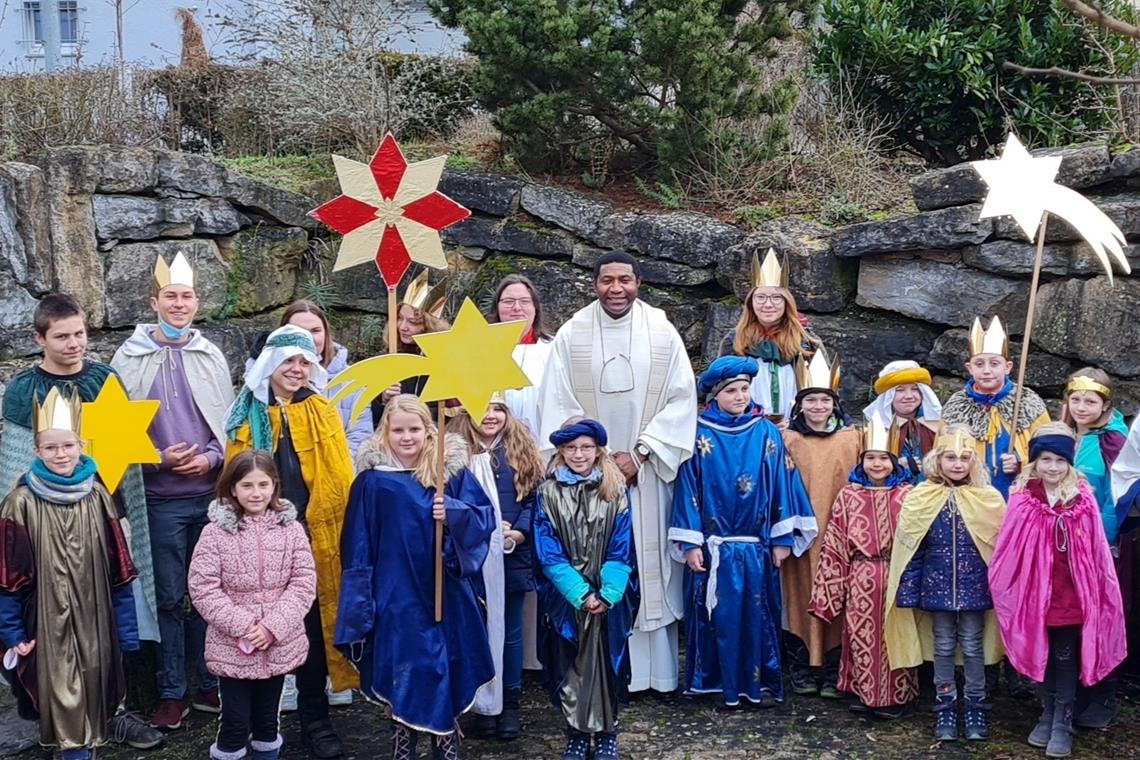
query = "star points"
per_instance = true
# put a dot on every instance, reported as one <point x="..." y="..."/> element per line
<point x="116" y="432"/>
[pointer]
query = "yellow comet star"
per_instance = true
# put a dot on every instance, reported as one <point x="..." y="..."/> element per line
<point x="1022" y="186"/>
<point x="115" y="429"/>
<point x="470" y="362"/>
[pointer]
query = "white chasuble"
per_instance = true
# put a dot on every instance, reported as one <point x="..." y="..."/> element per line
<point x="489" y="698"/>
<point x="632" y="374"/>
<point x="523" y="402"/>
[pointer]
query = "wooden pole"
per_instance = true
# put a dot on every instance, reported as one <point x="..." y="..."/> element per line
<point x="439" y="488"/>
<point x="393" y="313"/>
<point x="1029" y="312"/>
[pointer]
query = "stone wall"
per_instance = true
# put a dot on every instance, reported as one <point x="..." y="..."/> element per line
<point x="91" y="221"/>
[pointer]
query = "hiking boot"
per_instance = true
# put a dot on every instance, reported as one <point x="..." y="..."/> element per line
<point x="829" y="691"/>
<point x="403" y="742"/>
<point x="1039" y="736"/>
<point x="321" y="740"/>
<point x="510" y="726"/>
<point x="577" y="745"/>
<point x="804" y="681"/>
<point x="605" y="745"/>
<point x="1061" y="739"/>
<point x="976" y="720"/>
<point x="127" y="728"/>
<point x="206" y="701"/>
<point x="1100" y="711"/>
<point x="946" y="718"/>
<point x="482" y="727"/>
<point x="445" y="747"/>
<point x="169" y="715"/>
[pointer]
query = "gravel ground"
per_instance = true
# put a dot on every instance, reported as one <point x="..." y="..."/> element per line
<point x="681" y="728"/>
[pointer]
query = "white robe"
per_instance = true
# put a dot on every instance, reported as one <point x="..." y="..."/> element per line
<point x="1126" y="468"/>
<point x="523" y="402"/>
<point x="762" y="388"/>
<point x="489" y="698"/>
<point x="659" y="412"/>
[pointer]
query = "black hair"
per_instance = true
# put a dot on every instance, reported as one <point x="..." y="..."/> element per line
<point x="616" y="257"/>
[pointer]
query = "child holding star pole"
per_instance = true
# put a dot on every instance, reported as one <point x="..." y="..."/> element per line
<point x="66" y="608"/>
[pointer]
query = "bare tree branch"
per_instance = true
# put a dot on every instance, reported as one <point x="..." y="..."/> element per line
<point x="1100" y="18"/>
<point x="1056" y="71"/>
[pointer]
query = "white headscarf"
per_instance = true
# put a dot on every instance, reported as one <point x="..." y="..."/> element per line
<point x="282" y="345"/>
<point x="883" y="403"/>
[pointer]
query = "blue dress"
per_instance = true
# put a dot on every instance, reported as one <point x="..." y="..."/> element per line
<point x="428" y="672"/>
<point x="738" y="497"/>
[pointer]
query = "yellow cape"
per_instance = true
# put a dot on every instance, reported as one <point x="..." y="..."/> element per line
<point x="909" y="632"/>
<point x="322" y="449"/>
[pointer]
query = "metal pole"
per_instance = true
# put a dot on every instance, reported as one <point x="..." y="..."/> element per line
<point x="49" y="23"/>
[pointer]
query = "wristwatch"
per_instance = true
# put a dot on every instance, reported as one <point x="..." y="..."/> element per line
<point x="642" y="449"/>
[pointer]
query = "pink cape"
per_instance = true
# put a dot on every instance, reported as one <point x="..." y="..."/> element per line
<point x="1021" y="580"/>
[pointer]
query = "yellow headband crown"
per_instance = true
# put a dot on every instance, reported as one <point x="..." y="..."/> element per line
<point x="957" y="441"/>
<point x="818" y="373"/>
<point x="992" y="340"/>
<point x="425" y="297"/>
<point x="57" y="412"/>
<point x="178" y="272"/>
<point x="769" y="274"/>
<point x="1082" y="383"/>
<point x="878" y="435"/>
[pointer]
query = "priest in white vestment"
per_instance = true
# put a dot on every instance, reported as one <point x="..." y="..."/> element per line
<point x="620" y="361"/>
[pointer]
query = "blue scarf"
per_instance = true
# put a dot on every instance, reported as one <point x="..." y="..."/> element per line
<point x="61" y="489"/>
<point x="897" y="477"/>
<point x="989" y="399"/>
<point x="568" y="477"/>
<point x="714" y="414"/>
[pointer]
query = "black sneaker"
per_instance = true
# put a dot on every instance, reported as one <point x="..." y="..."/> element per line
<point x="803" y="681"/>
<point x="128" y="729"/>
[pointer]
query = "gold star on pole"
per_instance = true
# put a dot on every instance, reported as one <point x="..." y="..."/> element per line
<point x="115" y="430"/>
<point x="473" y="360"/>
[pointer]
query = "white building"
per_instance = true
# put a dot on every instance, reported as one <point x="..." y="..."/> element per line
<point x="151" y="33"/>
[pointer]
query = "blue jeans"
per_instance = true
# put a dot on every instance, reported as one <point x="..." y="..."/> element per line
<point x="951" y="630"/>
<point x="175" y="525"/>
<point x="83" y="753"/>
<point x="512" y="641"/>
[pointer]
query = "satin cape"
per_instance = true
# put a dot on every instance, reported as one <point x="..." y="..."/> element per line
<point x="1021" y="580"/>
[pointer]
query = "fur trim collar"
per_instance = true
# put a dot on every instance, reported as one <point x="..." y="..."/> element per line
<point x="961" y="409"/>
<point x="372" y="456"/>
<point x="225" y="518"/>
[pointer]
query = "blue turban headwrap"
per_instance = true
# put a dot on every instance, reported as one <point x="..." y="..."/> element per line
<point x="591" y="428"/>
<point x="726" y="370"/>
<point x="1062" y="445"/>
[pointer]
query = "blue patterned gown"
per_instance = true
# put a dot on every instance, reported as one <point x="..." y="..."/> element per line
<point x="738" y="497"/>
<point x="428" y="672"/>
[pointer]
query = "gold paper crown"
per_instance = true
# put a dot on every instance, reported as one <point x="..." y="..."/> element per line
<point x="57" y="412"/>
<point x="178" y="272"/>
<point x="769" y="274"/>
<point x="879" y="436"/>
<point x="956" y="441"/>
<point x="817" y="373"/>
<point x="425" y="297"/>
<point x="992" y="340"/>
<point x="1082" y="383"/>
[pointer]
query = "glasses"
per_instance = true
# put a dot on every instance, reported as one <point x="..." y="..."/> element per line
<point x="585" y="448"/>
<point x="775" y="299"/>
<point x="512" y="302"/>
<point x="53" y="449"/>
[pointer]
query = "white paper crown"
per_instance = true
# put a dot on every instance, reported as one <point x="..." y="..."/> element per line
<point x="992" y="340"/>
<point x="179" y="272"/>
<point x="769" y="274"/>
<point x="57" y="412"/>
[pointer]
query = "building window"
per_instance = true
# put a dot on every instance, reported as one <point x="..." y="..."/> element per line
<point x="68" y="22"/>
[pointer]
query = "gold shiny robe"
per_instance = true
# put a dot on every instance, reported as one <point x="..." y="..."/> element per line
<point x="70" y="557"/>
<point x="326" y="466"/>
<point x="909" y="631"/>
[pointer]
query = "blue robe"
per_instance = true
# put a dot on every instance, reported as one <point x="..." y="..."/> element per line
<point x="740" y="488"/>
<point x="428" y="672"/>
<point x="584" y="546"/>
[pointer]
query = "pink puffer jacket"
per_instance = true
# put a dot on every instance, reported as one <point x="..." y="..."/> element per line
<point x="257" y="570"/>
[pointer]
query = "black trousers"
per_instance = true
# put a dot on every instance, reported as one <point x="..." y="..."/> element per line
<point x="1063" y="670"/>
<point x="312" y="702"/>
<point x="249" y="710"/>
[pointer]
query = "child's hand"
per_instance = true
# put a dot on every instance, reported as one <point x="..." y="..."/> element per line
<point x="593" y="605"/>
<point x="259" y="637"/>
<point x="779" y="554"/>
<point x="437" y="510"/>
<point x="1010" y="464"/>
<point x="26" y="648"/>
<point x="695" y="559"/>
<point x="390" y="392"/>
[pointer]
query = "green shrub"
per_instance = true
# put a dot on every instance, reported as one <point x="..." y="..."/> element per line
<point x="934" y="68"/>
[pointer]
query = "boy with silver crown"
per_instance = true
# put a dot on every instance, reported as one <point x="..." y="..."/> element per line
<point x="66" y="608"/>
<point x="176" y="365"/>
<point x="986" y="404"/>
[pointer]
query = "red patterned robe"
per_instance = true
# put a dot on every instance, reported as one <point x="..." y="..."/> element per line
<point x="852" y="581"/>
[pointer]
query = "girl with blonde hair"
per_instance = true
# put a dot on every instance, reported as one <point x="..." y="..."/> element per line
<point x="584" y="544"/>
<point x="938" y="595"/>
<point x="427" y="672"/>
<point x="1054" y="585"/>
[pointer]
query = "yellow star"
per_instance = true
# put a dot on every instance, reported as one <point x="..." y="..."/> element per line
<point x="472" y="360"/>
<point x="115" y="429"/>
